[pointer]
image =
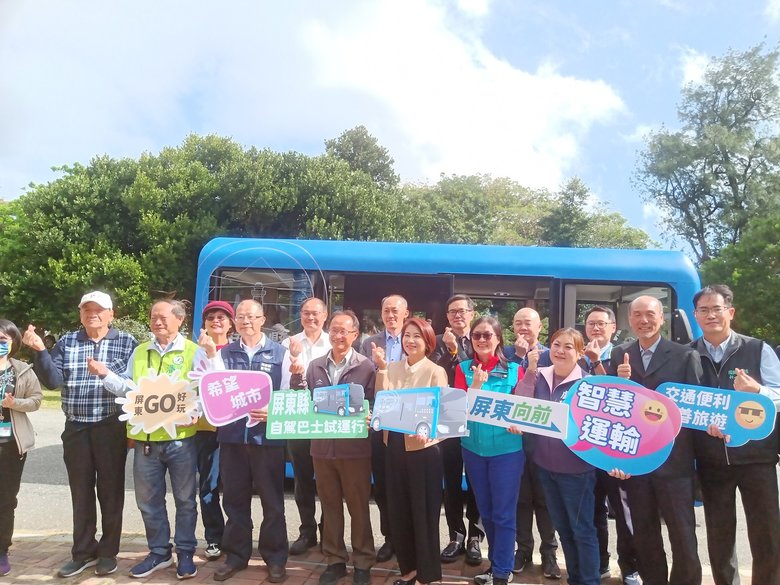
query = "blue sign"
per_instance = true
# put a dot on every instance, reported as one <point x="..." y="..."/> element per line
<point x="745" y="416"/>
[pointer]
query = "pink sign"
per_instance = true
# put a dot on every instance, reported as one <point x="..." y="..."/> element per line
<point x="229" y="395"/>
<point x="616" y="423"/>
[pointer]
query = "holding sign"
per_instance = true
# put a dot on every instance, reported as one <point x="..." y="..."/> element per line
<point x="616" y="423"/>
<point x="337" y="412"/>
<point x="159" y="402"/>
<point x="229" y="395"/>
<point x="746" y="416"/>
<point x="530" y="415"/>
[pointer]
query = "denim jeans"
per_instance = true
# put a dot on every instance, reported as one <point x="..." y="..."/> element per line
<point x="570" y="501"/>
<point x="496" y="484"/>
<point x="179" y="459"/>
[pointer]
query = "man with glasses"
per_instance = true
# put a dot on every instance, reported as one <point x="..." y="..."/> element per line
<point x="309" y="344"/>
<point x="600" y="327"/>
<point x="250" y="461"/>
<point x="453" y="347"/>
<point x="343" y="466"/>
<point x="527" y="324"/>
<point x="394" y="312"/>
<point x="733" y="361"/>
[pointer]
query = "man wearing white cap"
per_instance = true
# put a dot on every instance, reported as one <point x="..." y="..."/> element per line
<point x="93" y="443"/>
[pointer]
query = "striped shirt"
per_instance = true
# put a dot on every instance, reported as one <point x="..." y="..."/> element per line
<point x="83" y="397"/>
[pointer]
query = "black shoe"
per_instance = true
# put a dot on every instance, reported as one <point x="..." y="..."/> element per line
<point x="303" y="544"/>
<point x="522" y="563"/>
<point x="225" y="572"/>
<point x="411" y="581"/>
<point x="385" y="552"/>
<point x="276" y="573"/>
<point x="452" y="551"/>
<point x="333" y="573"/>
<point x="550" y="568"/>
<point x="361" y="577"/>
<point x="473" y="552"/>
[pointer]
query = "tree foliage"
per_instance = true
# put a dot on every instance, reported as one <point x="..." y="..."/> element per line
<point x="363" y="152"/>
<point x="720" y="168"/>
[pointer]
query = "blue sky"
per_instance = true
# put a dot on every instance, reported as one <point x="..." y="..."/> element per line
<point x="535" y="90"/>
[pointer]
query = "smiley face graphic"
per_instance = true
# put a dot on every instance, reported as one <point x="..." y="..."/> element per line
<point x="654" y="412"/>
<point x="750" y="414"/>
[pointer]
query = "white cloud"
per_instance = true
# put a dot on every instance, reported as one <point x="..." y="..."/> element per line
<point x="640" y="133"/>
<point x="84" y="78"/>
<point x="772" y="10"/>
<point x="693" y="65"/>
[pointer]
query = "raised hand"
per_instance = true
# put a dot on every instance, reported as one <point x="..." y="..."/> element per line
<point x="479" y="378"/>
<point x="624" y="369"/>
<point x="378" y="355"/>
<point x="296" y="348"/>
<point x="32" y="339"/>
<point x="207" y="344"/>
<point x="97" y="368"/>
<point x="450" y="340"/>
<point x="521" y="346"/>
<point x="533" y="359"/>
<point x="593" y="351"/>
<point x="745" y="383"/>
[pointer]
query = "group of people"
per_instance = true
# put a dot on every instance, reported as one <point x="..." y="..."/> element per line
<point x="511" y="477"/>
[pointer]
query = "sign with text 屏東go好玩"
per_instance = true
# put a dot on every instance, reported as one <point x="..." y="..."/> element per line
<point x="530" y="415"/>
<point x="159" y="401"/>
<point x="230" y="395"/>
<point x="744" y="416"/>
<point x="334" y="412"/>
<point x="616" y="423"/>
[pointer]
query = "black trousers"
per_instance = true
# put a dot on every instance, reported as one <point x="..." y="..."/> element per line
<point x="12" y="465"/>
<point x="609" y="488"/>
<point x="414" y="498"/>
<point x="95" y="455"/>
<point x="757" y="484"/>
<point x="378" y="451"/>
<point x="454" y="496"/>
<point x="208" y="486"/>
<point x="305" y="486"/>
<point x="247" y="469"/>
<point x="673" y="498"/>
<point x="531" y="502"/>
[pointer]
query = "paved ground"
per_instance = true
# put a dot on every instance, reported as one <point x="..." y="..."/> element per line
<point x="42" y="537"/>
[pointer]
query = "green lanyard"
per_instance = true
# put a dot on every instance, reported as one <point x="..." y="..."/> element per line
<point x="5" y="425"/>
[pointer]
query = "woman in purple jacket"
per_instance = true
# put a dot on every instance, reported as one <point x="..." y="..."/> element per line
<point x="568" y="481"/>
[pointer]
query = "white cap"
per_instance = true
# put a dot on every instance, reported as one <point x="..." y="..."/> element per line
<point x="98" y="297"/>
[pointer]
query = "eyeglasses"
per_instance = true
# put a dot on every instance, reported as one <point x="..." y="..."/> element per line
<point x="477" y="335"/>
<point x="459" y="312"/>
<point x="216" y="318"/>
<point x="248" y="317"/>
<point x="599" y="324"/>
<point x="340" y="332"/>
<point x="715" y="311"/>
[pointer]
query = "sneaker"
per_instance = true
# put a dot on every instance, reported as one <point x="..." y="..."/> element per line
<point x="522" y="563"/>
<point x="213" y="551"/>
<point x="605" y="573"/>
<point x="632" y="579"/>
<point x="550" y="568"/>
<point x="5" y="566"/>
<point x="150" y="564"/>
<point x="333" y="573"/>
<point x="105" y="566"/>
<point x="74" y="567"/>
<point x="185" y="566"/>
<point x="486" y="578"/>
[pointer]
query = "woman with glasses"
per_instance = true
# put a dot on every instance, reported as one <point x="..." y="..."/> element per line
<point x="20" y="393"/>
<point x="493" y="457"/>
<point x="218" y="323"/>
<point x="414" y="469"/>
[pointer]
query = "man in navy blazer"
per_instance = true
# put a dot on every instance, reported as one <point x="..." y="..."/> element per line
<point x="650" y="361"/>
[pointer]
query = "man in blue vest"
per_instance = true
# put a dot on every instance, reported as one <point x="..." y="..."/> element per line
<point x="733" y="361"/>
<point x="251" y="461"/>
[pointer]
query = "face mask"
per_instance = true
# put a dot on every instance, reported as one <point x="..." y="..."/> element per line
<point x="5" y="348"/>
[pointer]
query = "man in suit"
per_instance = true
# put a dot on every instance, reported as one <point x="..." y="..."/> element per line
<point x="394" y="312"/>
<point x="650" y="361"/>
<point x="453" y="347"/>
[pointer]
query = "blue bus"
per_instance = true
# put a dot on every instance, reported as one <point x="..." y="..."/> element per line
<point x="560" y="283"/>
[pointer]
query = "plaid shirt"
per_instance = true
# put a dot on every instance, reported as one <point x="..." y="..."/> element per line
<point x="84" y="399"/>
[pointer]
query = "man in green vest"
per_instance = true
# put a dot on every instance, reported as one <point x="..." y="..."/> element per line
<point x="157" y="453"/>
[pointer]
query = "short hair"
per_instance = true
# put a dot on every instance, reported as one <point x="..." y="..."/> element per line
<point x="178" y="308"/>
<point x="576" y="336"/>
<point x="385" y="299"/>
<point x="429" y="337"/>
<point x="314" y="299"/>
<point x="497" y="331"/>
<point x="347" y="313"/>
<point x="257" y="303"/>
<point x="460" y="297"/>
<point x="601" y="309"/>
<point x="715" y="289"/>
<point x="8" y="328"/>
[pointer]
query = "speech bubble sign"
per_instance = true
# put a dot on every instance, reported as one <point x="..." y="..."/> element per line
<point x="617" y="423"/>
<point x="745" y="416"/>
<point x="540" y="417"/>
<point x="159" y="402"/>
<point x="229" y="395"/>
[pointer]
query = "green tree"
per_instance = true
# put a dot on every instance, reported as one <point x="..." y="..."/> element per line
<point x="720" y="168"/>
<point x="363" y="152"/>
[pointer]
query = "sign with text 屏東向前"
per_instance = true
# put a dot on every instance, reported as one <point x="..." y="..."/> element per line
<point x="530" y="415"/>
<point x="616" y="423"/>
<point x="230" y="395"/>
<point x="744" y="416"/>
<point x="333" y="412"/>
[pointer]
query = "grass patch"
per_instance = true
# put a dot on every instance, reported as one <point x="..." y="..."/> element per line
<point x="51" y="398"/>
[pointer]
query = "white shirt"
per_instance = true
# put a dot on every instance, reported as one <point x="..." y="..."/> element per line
<point x="310" y="351"/>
